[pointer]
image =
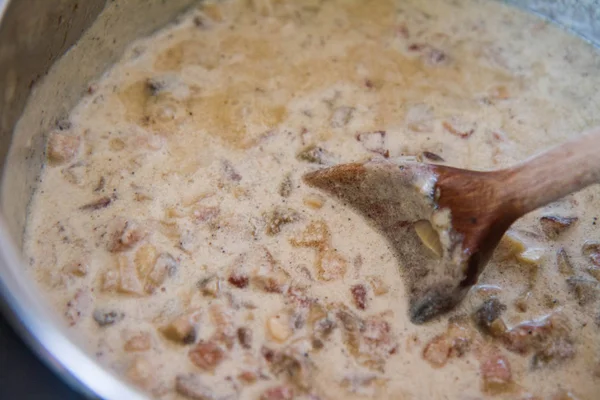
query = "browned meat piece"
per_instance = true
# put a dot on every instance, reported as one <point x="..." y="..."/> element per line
<point x="207" y="355"/>
<point x="359" y="295"/>
<point x="495" y="373"/>
<point x="279" y="217"/>
<point x="278" y="393"/>
<point x="370" y="340"/>
<point x="330" y="265"/>
<point x="553" y="225"/>
<point x="183" y="328"/>
<point x="548" y="338"/>
<point x="455" y="342"/>
<point x="245" y="337"/>
<point x="296" y="368"/>
<point x="238" y="279"/>
<point x="62" y="148"/>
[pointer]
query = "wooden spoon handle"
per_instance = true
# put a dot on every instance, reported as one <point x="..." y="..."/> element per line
<point x="555" y="173"/>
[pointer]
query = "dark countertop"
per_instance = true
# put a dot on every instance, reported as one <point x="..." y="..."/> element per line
<point x="23" y="376"/>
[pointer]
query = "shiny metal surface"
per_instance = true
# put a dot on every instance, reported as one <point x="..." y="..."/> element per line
<point x="34" y="34"/>
<point x="34" y="38"/>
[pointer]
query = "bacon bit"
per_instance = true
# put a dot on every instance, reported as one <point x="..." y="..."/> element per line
<point x="238" y="280"/>
<point x="298" y="297"/>
<point x="274" y="283"/>
<point x="432" y="156"/>
<point x="183" y="328"/>
<point x="553" y="225"/>
<point x="207" y="355"/>
<point x="102" y="202"/>
<point x="279" y="217"/>
<point x="437" y="351"/>
<point x="245" y="337"/>
<point x="330" y="265"/>
<point x="463" y="134"/>
<point x="278" y="393"/>
<point x="549" y="338"/>
<point x="359" y="294"/>
<point x="455" y="342"/>
<point x="496" y="373"/>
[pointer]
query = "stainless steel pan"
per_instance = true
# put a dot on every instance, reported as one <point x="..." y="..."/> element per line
<point x="49" y="51"/>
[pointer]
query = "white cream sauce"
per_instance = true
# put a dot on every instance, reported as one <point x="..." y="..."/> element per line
<point x="189" y="149"/>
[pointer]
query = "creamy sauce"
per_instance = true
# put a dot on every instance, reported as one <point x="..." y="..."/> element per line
<point x="172" y="229"/>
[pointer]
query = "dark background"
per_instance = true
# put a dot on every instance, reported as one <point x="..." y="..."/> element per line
<point x="23" y="376"/>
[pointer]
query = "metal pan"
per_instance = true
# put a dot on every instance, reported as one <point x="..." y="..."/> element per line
<point x="49" y="51"/>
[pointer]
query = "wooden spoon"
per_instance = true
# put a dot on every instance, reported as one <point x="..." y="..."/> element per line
<point x="481" y="205"/>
